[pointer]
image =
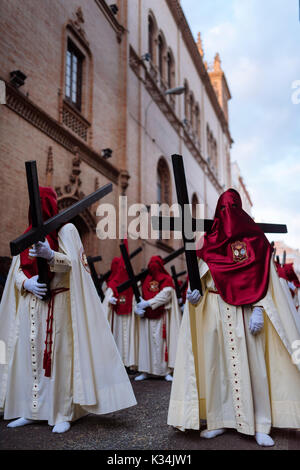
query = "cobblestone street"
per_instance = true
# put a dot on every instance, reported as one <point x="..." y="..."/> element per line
<point x="137" y="428"/>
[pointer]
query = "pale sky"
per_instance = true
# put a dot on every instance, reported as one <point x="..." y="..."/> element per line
<point x="259" y="46"/>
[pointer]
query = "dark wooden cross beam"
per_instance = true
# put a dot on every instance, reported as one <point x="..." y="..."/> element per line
<point x="139" y="277"/>
<point x="175" y="277"/>
<point x="39" y="228"/>
<point x="186" y="223"/>
<point x="174" y="224"/>
<point x="130" y="272"/>
<point x="91" y="262"/>
<point x="284" y="258"/>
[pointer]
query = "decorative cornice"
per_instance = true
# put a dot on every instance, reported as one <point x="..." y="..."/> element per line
<point x="24" y="107"/>
<point x="191" y="45"/>
<point x="118" y="28"/>
<point x="139" y="68"/>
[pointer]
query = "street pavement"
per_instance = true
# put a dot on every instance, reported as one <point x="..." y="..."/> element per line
<point x="142" y="427"/>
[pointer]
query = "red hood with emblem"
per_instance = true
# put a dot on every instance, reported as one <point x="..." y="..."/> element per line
<point x="237" y="253"/>
<point x="155" y="281"/>
<point x="117" y="277"/>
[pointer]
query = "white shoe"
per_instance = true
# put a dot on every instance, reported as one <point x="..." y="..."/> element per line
<point x="19" y="422"/>
<point x="61" y="427"/>
<point x="169" y="378"/>
<point x="263" y="439"/>
<point x="211" y="434"/>
<point x="141" y="377"/>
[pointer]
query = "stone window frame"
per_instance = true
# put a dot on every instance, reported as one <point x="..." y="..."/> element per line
<point x="83" y="116"/>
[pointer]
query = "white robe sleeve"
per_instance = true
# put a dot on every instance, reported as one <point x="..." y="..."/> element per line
<point x="60" y="263"/>
<point x="20" y="278"/>
<point x="164" y="297"/>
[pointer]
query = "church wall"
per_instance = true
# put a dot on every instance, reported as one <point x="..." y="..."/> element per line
<point x="115" y="104"/>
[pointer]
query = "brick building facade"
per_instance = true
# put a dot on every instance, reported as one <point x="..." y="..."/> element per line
<point x="96" y="78"/>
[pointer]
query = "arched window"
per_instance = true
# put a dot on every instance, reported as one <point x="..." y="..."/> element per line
<point x="191" y="114"/>
<point x="215" y="155"/>
<point x="170" y="70"/>
<point x="151" y="37"/>
<point x="208" y="143"/>
<point x="186" y="99"/>
<point x="163" y="183"/>
<point x="161" y="55"/>
<point x="197" y="121"/>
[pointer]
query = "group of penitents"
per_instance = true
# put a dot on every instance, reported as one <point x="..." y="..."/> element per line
<point x="224" y="337"/>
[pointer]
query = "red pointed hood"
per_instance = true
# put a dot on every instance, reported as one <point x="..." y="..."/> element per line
<point x="237" y="253"/>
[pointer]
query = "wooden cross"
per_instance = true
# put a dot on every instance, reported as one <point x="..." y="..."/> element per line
<point x="186" y="221"/>
<point x="175" y="277"/>
<point x="40" y="228"/>
<point x="99" y="280"/>
<point x="134" y="279"/>
<point x="284" y="258"/>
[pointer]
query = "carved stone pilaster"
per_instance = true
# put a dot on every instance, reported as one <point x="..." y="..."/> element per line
<point x="124" y="181"/>
<point x="49" y="168"/>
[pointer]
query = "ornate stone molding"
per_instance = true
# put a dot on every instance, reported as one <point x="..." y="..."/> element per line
<point x="29" y="111"/>
<point x="49" y="168"/>
<point x="71" y="193"/>
<point x="77" y="24"/>
<point x="124" y="181"/>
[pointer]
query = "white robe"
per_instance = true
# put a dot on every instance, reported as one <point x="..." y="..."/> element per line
<point x="229" y="377"/>
<point x="152" y="345"/>
<point x="292" y="301"/>
<point x="87" y="372"/>
<point x="124" y="330"/>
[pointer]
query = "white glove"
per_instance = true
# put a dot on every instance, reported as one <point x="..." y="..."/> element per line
<point x="193" y="297"/>
<point x="256" y="321"/>
<point x="180" y="301"/>
<point x="37" y="289"/>
<point x="113" y="301"/>
<point x="42" y="250"/>
<point x="143" y="304"/>
<point x="139" y="311"/>
<point x="292" y="286"/>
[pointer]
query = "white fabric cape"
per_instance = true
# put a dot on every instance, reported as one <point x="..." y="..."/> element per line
<point x="186" y="407"/>
<point x="100" y="382"/>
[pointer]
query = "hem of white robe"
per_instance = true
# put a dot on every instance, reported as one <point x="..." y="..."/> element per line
<point x="185" y="415"/>
<point x="243" y="429"/>
<point x="286" y="414"/>
<point x="110" y="399"/>
<point x="167" y="372"/>
<point x="77" y="413"/>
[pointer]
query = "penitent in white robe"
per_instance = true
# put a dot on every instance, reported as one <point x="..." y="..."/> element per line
<point x="152" y="345"/>
<point x="87" y="372"/>
<point x="124" y="330"/>
<point x="229" y="377"/>
<point x="292" y="301"/>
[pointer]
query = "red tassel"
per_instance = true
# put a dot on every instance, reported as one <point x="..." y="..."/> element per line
<point x="166" y="355"/>
<point x="48" y="368"/>
<point x="164" y="334"/>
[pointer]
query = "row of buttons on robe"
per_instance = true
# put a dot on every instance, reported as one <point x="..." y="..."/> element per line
<point x="125" y="336"/>
<point x="235" y="368"/>
<point x="33" y="353"/>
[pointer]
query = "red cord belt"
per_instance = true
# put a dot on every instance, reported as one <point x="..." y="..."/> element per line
<point x="49" y="332"/>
